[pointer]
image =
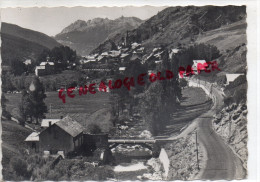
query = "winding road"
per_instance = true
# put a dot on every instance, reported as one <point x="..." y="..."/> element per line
<point x="221" y="162"/>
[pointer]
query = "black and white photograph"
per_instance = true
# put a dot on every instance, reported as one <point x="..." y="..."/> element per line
<point x="124" y="93"/>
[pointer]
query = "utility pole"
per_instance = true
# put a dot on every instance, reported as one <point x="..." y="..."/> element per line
<point x="197" y="150"/>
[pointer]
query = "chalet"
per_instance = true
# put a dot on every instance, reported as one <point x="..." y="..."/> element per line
<point x="33" y="141"/>
<point x="195" y="63"/>
<point x="45" y="68"/>
<point x="172" y="52"/>
<point x="125" y="57"/>
<point x="157" y="62"/>
<point x="124" y="50"/>
<point x="155" y="50"/>
<point x="65" y="135"/>
<point x="27" y="62"/>
<point x="231" y="77"/>
<point x="122" y="69"/>
<point x="140" y="50"/>
<point x="135" y="58"/>
<point x="105" y="54"/>
<point x="114" y="53"/>
<point x="158" y="55"/>
<point x="135" y="45"/>
<point x="48" y="122"/>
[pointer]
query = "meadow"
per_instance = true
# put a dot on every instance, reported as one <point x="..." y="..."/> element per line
<point x="86" y="109"/>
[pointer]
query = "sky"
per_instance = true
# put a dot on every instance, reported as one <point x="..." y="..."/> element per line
<point x="34" y="14"/>
<point x="51" y="21"/>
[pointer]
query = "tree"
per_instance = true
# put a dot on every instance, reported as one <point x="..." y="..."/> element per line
<point x="134" y="69"/>
<point x="7" y="84"/>
<point x="32" y="103"/>
<point x="159" y="100"/>
<point x="151" y="107"/>
<point x="25" y="107"/>
<point x="183" y="83"/>
<point x="18" y="67"/>
<point x="20" y="166"/>
<point x="5" y="113"/>
<point x="94" y="128"/>
<point x="62" y="56"/>
<point x="197" y="52"/>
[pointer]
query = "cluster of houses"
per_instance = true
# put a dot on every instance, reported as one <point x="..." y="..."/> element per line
<point x="116" y="57"/>
<point x="64" y="136"/>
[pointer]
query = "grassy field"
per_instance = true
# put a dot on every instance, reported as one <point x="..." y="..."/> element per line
<point x="194" y="103"/>
<point x="13" y="136"/>
<point x="94" y="108"/>
<point x="86" y="109"/>
<point x="193" y="96"/>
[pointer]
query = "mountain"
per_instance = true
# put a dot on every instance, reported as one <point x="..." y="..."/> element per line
<point x="181" y="25"/>
<point x="20" y="43"/>
<point x="85" y="36"/>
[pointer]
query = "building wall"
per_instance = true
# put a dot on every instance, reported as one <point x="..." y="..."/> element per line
<point x="33" y="145"/>
<point x="49" y="69"/>
<point x="54" y="139"/>
<point x="40" y="72"/>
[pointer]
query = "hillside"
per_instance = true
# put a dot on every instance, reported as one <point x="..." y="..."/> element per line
<point x="182" y="25"/>
<point x="20" y="43"/>
<point x="13" y="136"/>
<point x="223" y="27"/>
<point x="85" y="36"/>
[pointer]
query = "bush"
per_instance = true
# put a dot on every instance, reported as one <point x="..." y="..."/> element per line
<point x="197" y="52"/>
<point x="240" y="96"/>
<point x="183" y="83"/>
<point x="20" y="167"/>
<point x="6" y="114"/>
<point x="94" y="128"/>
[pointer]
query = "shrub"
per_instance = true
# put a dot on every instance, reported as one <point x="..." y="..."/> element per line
<point x="183" y="83"/>
<point x="197" y="52"/>
<point x="20" y="167"/>
<point x="94" y="128"/>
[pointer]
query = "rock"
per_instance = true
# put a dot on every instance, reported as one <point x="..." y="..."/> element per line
<point x="218" y="116"/>
<point x="234" y="106"/>
<point x="244" y="112"/>
<point x="235" y="116"/>
<point x="239" y="111"/>
<point x="237" y="121"/>
<point x="145" y="134"/>
<point x="243" y="107"/>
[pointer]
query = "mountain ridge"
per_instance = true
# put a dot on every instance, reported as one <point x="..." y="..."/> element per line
<point x="84" y="36"/>
<point x="21" y="43"/>
<point x="180" y="25"/>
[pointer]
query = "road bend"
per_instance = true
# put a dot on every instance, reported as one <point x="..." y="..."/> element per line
<point x="221" y="163"/>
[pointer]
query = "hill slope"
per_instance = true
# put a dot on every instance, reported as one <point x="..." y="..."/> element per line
<point x="20" y="43"/>
<point x="223" y="27"/>
<point x="181" y="25"/>
<point x="85" y="36"/>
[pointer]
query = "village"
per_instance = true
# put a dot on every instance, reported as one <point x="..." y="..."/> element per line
<point x="127" y="98"/>
<point x="65" y="136"/>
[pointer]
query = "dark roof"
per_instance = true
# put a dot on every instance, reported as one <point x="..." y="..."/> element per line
<point x="70" y="126"/>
